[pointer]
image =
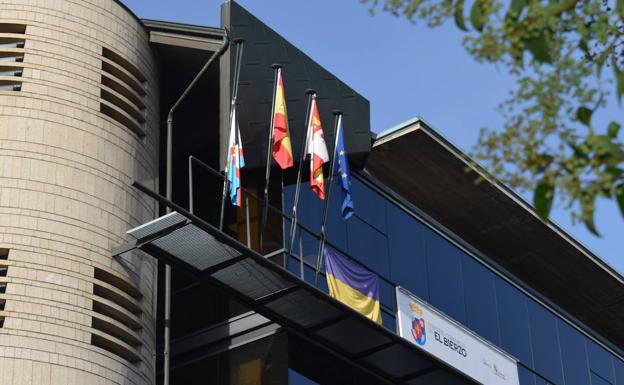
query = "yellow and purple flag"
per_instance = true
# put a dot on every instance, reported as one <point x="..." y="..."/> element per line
<point x="352" y="284"/>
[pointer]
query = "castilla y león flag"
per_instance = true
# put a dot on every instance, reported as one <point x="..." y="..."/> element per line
<point x="282" y="148"/>
<point x="317" y="150"/>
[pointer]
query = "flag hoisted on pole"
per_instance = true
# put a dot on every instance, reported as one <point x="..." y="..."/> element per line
<point x="338" y="125"/>
<point x="317" y="150"/>
<point x="235" y="162"/>
<point x="348" y="206"/>
<point x="302" y="155"/>
<point x="232" y="182"/>
<point x="279" y="143"/>
<point x="282" y="147"/>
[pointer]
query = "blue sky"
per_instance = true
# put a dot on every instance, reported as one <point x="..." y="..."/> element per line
<point x="403" y="70"/>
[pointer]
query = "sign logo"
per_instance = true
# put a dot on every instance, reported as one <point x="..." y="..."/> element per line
<point x="419" y="332"/>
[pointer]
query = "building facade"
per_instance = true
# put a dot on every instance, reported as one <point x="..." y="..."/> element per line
<point x="85" y="90"/>
<point x="78" y="122"/>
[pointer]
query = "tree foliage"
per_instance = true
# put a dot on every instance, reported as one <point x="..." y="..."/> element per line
<point x="568" y="58"/>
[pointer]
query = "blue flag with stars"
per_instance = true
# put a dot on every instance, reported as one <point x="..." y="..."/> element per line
<point x="345" y="177"/>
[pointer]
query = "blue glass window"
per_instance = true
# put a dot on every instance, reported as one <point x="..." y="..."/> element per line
<point x="445" y="278"/>
<point x="513" y="320"/>
<point x="573" y="355"/>
<point x="546" y="354"/>
<point x="481" y="312"/>
<point x="600" y="361"/>
<point x="294" y="378"/>
<point x="369" y="206"/>
<point x="368" y="245"/>
<point x="406" y="248"/>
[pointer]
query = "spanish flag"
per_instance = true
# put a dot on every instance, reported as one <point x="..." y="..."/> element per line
<point x="352" y="284"/>
<point x="282" y="148"/>
<point x="317" y="150"/>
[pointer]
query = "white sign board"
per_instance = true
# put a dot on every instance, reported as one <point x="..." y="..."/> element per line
<point x="441" y="336"/>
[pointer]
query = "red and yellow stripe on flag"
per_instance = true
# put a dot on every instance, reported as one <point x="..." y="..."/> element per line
<point x="317" y="150"/>
<point x="282" y="148"/>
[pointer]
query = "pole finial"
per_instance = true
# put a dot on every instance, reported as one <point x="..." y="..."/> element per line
<point x="238" y="40"/>
<point x="310" y="91"/>
<point x="276" y="66"/>
<point x="337" y="112"/>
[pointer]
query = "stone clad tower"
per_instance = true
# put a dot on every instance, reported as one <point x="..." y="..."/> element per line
<point x="78" y="123"/>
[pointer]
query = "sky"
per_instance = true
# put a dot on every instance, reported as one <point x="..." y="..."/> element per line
<point x="404" y="70"/>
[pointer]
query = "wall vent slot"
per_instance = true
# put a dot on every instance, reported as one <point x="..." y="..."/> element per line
<point x="3" y="270"/>
<point x="4" y="254"/>
<point x="1" y="322"/>
<point x="11" y="53"/>
<point x="117" y="318"/>
<point x="2" y="304"/>
<point x="3" y="287"/>
<point x="12" y="28"/>
<point x="122" y="91"/>
<point x="115" y="348"/>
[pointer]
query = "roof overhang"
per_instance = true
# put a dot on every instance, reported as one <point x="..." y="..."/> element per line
<point x="433" y="175"/>
<point x="184" y="35"/>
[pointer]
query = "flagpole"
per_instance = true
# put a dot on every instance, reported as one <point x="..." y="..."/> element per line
<point x="293" y="218"/>
<point x="277" y="69"/>
<point x="226" y="182"/>
<point x="338" y="120"/>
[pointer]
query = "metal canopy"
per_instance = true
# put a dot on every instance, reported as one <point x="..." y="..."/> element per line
<point x="187" y="242"/>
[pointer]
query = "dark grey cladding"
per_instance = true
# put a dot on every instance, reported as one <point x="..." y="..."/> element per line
<point x="263" y="47"/>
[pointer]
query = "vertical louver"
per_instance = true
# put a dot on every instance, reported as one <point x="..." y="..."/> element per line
<point x="116" y="316"/>
<point x="122" y="92"/>
<point x="11" y="56"/>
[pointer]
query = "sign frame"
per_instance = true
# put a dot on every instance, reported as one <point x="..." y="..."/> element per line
<point x="492" y="365"/>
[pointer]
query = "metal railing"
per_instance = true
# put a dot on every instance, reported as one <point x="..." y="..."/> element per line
<point x="387" y="307"/>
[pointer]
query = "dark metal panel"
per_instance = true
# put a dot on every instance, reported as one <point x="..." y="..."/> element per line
<point x="157" y="225"/>
<point x="195" y="247"/>
<point x="263" y="47"/>
<point x="251" y="279"/>
<point x="304" y="309"/>
<point x="399" y="361"/>
<point x="348" y="335"/>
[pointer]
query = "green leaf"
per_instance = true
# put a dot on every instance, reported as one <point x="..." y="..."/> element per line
<point x="515" y="9"/>
<point x="584" y="114"/>
<point x="591" y="226"/>
<point x="477" y="16"/>
<point x="619" y="197"/>
<point x="601" y="59"/>
<point x="585" y="48"/>
<point x="620" y="7"/>
<point x="614" y="128"/>
<point x="459" y="15"/>
<point x="619" y="78"/>
<point x="539" y="46"/>
<point x="543" y="198"/>
<point x="542" y="161"/>
<point x="588" y="206"/>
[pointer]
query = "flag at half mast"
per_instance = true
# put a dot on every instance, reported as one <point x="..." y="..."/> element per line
<point x="352" y="284"/>
<point x="235" y="161"/>
<point x="282" y="147"/>
<point x="317" y="150"/>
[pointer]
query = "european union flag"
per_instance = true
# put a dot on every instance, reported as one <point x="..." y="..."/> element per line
<point x="345" y="177"/>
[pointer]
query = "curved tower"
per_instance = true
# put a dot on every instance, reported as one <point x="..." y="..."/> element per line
<point x="78" y="123"/>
